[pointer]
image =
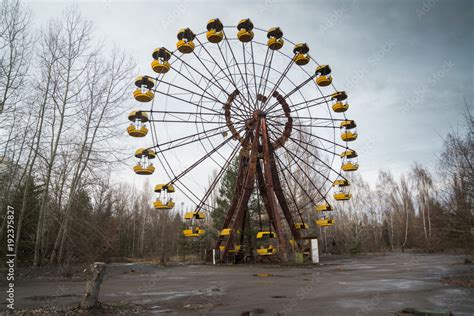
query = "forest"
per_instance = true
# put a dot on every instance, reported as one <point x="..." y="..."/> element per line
<point x="63" y="97"/>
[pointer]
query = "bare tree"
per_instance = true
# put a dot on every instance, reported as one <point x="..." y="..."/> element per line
<point x="457" y="170"/>
<point x="15" y="43"/>
<point x="423" y="185"/>
<point x="100" y="106"/>
<point x="69" y="40"/>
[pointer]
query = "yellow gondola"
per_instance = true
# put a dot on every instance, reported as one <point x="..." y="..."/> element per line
<point x="145" y="153"/>
<point x="164" y="187"/>
<point x="193" y="229"/>
<point x="245" y="28"/>
<point x="342" y="196"/>
<point x="160" y="63"/>
<point x="349" y="154"/>
<point x="164" y="201"/>
<point x="338" y="106"/>
<point x="340" y="183"/>
<point x="159" y="205"/>
<point x="233" y="249"/>
<point x="215" y="32"/>
<point x="141" y="170"/>
<point x="325" y="222"/>
<point x="301" y="226"/>
<point x="323" y="207"/>
<point x="185" y="42"/>
<point x="349" y="133"/>
<point x="194" y="215"/>
<point x="323" y="75"/>
<point x="137" y="128"/>
<point x="301" y="57"/>
<point x="349" y="160"/>
<point x="144" y="166"/>
<point x="349" y="166"/>
<point x="348" y="124"/>
<point x="349" y="136"/>
<point x="226" y="232"/>
<point x="194" y="232"/>
<point x="342" y="193"/>
<point x="275" y="40"/>
<point x="263" y="234"/>
<point x="143" y="91"/>
<point x="138" y="115"/>
<point x="266" y="251"/>
<point x="143" y="96"/>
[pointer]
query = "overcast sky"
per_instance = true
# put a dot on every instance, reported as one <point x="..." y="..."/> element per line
<point x="407" y="65"/>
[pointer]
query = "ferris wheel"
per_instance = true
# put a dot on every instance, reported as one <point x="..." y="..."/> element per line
<point x="245" y="94"/>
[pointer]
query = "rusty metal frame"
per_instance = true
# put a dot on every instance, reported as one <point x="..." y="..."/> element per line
<point x="257" y="163"/>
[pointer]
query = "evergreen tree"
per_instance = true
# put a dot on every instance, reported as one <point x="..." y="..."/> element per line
<point x="223" y="201"/>
<point x="26" y="244"/>
<point x="225" y="195"/>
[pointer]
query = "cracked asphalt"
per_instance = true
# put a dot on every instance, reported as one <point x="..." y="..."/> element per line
<point x="360" y="285"/>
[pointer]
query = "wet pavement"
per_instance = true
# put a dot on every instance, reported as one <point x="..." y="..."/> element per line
<point x="362" y="285"/>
